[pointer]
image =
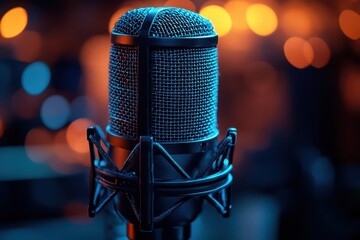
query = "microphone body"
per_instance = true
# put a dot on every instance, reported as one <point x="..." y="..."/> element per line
<point x="163" y="157"/>
<point x="172" y="225"/>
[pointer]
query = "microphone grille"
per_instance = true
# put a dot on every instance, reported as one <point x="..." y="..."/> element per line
<point x="171" y="22"/>
<point x="185" y="80"/>
<point x="131" y="22"/>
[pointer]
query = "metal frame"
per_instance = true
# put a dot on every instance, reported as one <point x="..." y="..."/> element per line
<point x="215" y="188"/>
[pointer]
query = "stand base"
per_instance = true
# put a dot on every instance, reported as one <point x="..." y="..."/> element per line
<point x="173" y="233"/>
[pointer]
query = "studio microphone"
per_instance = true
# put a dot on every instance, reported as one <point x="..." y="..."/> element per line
<point x="161" y="157"/>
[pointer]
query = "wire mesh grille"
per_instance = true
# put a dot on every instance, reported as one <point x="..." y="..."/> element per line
<point x="178" y="22"/>
<point x="123" y="90"/>
<point x="185" y="81"/>
<point x="184" y="93"/>
<point x="130" y="23"/>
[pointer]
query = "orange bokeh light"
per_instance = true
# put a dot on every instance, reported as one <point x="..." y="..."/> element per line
<point x="219" y="17"/>
<point x="22" y="51"/>
<point x="116" y="16"/>
<point x="261" y="19"/>
<point x="297" y="22"/>
<point x="38" y="144"/>
<point x="13" y="22"/>
<point x="237" y="42"/>
<point x="76" y="135"/>
<point x="212" y="2"/>
<point x="76" y="212"/>
<point x="237" y="11"/>
<point x="321" y="52"/>
<point x="350" y="86"/>
<point x="350" y="24"/>
<point x="62" y="150"/>
<point x="187" y="4"/>
<point x="94" y="58"/>
<point x="298" y="52"/>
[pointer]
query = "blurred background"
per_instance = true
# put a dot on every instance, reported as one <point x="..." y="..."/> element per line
<point x="289" y="82"/>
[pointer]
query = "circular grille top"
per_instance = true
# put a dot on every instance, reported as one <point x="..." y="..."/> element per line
<point x="170" y="22"/>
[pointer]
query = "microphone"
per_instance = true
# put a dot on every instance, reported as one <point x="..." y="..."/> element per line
<point x="161" y="157"/>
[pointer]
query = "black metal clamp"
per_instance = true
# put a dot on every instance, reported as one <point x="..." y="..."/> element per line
<point x="215" y="188"/>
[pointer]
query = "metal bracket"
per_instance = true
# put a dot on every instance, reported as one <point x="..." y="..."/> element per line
<point x="215" y="188"/>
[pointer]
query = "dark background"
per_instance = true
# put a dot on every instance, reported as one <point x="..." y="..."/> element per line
<point x="292" y="92"/>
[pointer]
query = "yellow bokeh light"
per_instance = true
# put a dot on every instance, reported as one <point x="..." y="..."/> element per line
<point x="298" y="52"/>
<point x="219" y="17"/>
<point x="261" y="19"/>
<point x="321" y="52"/>
<point x="237" y="10"/>
<point x="13" y="22"/>
<point x="116" y="16"/>
<point x="350" y="24"/>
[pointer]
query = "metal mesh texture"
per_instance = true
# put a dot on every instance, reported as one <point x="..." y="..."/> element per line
<point x="185" y="81"/>
<point x="123" y="90"/>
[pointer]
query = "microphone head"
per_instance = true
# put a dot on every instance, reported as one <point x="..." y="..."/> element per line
<point x="184" y="79"/>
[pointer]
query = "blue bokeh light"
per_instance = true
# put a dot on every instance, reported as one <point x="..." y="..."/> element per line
<point x="80" y="107"/>
<point x="55" y="112"/>
<point x="36" y="78"/>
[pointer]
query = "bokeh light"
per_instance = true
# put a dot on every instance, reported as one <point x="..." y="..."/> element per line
<point x="61" y="148"/>
<point x="261" y="19"/>
<point x="187" y="4"/>
<point x="240" y="43"/>
<point x="296" y="21"/>
<point x="298" y="52"/>
<point x="212" y="2"/>
<point x="55" y="112"/>
<point x="36" y="78"/>
<point x="94" y="58"/>
<point x="116" y="16"/>
<point x="25" y="105"/>
<point x="219" y="17"/>
<point x="76" y="212"/>
<point x="76" y="135"/>
<point x="37" y="144"/>
<point x="13" y="22"/>
<point x="350" y="24"/>
<point x="305" y="19"/>
<point x="350" y="87"/>
<point x="237" y="10"/>
<point x="22" y="51"/>
<point x="81" y="107"/>
<point x="66" y="158"/>
<point x="321" y="52"/>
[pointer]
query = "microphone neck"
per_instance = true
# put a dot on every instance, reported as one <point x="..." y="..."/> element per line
<point x="174" y="233"/>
